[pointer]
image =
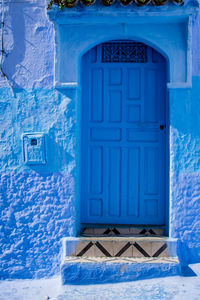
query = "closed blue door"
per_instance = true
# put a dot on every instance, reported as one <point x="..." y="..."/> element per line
<point x="123" y="135"/>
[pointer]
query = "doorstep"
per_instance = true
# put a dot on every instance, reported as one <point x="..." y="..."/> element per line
<point x="114" y="259"/>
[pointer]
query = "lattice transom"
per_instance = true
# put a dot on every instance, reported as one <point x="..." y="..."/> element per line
<point x="124" y="52"/>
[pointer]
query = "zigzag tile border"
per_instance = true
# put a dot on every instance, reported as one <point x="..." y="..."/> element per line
<point x="134" y="249"/>
<point x="123" y="231"/>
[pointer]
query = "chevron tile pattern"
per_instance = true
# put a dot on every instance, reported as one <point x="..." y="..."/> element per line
<point x="123" y="231"/>
<point x="121" y="248"/>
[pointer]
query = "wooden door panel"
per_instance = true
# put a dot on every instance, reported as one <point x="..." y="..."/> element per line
<point x="122" y="146"/>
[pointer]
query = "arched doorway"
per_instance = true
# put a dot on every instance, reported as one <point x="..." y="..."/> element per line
<point x="123" y="135"/>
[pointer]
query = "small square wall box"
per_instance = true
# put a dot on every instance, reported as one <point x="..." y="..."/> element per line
<point x="34" y="148"/>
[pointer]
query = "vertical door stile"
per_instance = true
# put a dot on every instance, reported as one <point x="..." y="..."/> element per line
<point x="124" y="149"/>
<point x="141" y="148"/>
<point x="106" y="150"/>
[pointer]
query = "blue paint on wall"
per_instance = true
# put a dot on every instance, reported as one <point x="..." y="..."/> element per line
<point x="36" y="214"/>
<point x="38" y="203"/>
<point x="185" y="176"/>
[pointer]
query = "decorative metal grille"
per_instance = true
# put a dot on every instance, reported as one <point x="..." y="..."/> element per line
<point x="124" y="52"/>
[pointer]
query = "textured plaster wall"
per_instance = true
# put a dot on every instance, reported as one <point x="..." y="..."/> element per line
<point x="38" y="202"/>
<point x="185" y="175"/>
<point x="185" y="159"/>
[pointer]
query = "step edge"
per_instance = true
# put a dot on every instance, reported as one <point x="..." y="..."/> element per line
<point x="114" y="260"/>
<point x="121" y="238"/>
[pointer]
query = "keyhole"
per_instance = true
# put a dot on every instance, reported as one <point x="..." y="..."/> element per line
<point x="33" y="142"/>
<point x="162" y="127"/>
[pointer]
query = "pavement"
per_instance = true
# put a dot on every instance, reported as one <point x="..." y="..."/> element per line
<point x="176" y="288"/>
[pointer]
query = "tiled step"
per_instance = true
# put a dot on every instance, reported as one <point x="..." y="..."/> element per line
<point x="83" y="270"/>
<point x="134" y="247"/>
<point x="123" y="231"/>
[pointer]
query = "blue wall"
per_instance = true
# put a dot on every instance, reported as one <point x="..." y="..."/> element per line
<point x="38" y="203"/>
<point x="185" y="175"/>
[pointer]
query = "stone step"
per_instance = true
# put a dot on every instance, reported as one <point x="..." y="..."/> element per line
<point x="123" y="231"/>
<point x="132" y="247"/>
<point x="83" y="270"/>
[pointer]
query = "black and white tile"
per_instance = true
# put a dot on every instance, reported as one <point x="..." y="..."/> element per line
<point x="123" y="231"/>
<point x="120" y="248"/>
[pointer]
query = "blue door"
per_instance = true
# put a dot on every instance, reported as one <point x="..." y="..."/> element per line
<point x="123" y="135"/>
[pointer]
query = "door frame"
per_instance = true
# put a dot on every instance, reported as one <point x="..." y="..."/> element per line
<point x="79" y="135"/>
<point x="76" y="32"/>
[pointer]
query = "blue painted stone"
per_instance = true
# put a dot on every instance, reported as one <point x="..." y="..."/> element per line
<point x="91" y="273"/>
